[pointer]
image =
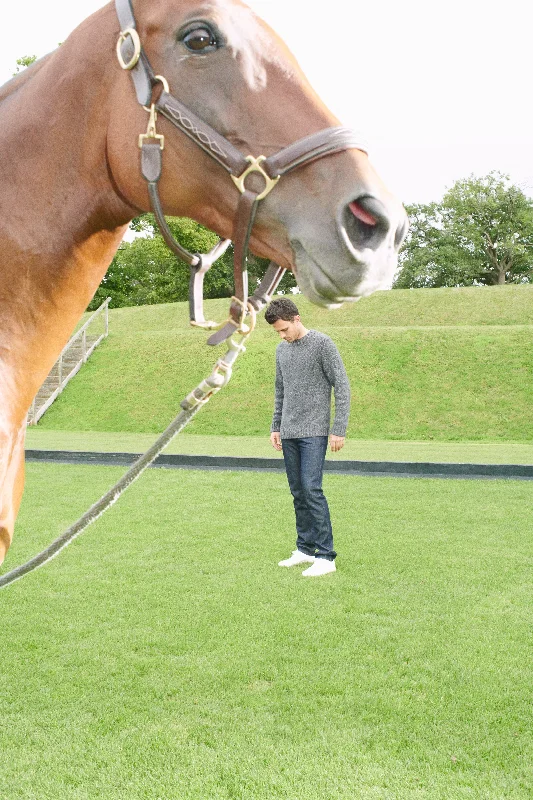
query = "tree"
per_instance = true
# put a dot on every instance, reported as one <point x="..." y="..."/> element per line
<point x="430" y="256"/>
<point x="23" y="62"/>
<point x="146" y="272"/>
<point x="493" y="220"/>
<point x="481" y="233"/>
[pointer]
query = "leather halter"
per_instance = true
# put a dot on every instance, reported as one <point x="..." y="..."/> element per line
<point x="132" y="57"/>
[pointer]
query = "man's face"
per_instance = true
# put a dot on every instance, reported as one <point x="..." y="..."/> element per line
<point x="290" y="330"/>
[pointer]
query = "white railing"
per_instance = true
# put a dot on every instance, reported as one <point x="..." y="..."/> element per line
<point x="66" y="368"/>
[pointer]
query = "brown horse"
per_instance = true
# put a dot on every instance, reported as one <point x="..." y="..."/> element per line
<point x="71" y="182"/>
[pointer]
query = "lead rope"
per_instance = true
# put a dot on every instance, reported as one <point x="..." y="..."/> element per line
<point x="190" y="406"/>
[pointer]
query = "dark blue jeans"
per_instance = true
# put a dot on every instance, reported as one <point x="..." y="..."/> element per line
<point x="304" y="464"/>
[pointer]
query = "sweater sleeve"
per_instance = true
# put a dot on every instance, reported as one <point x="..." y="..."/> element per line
<point x="278" y="399"/>
<point x="336" y="374"/>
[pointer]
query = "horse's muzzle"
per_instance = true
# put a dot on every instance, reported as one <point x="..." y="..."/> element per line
<point x="354" y="257"/>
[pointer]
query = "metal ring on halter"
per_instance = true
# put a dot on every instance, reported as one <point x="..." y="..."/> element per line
<point x="137" y="48"/>
<point x="166" y="88"/>
<point x="209" y="325"/>
<point x="253" y="317"/>
<point x="164" y="81"/>
<point x="255" y="166"/>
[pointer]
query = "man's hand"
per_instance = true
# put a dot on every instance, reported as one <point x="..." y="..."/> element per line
<point x="336" y="443"/>
<point x="275" y="440"/>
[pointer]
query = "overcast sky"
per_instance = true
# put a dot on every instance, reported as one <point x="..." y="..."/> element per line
<point x="439" y="89"/>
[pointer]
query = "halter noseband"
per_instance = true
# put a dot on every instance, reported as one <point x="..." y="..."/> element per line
<point x="132" y="57"/>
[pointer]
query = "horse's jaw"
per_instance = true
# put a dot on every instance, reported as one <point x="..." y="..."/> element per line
<point x="332" y="270"/>
<point x="328" y="286"/>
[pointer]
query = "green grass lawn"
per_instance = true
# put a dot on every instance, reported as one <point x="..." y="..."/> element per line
<point x="445" y="365"/>
<point x="165" y="655"/>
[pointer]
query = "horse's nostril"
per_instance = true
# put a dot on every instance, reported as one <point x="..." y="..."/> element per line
<point x="366" y="222"/>
<point x="359" y="213"/>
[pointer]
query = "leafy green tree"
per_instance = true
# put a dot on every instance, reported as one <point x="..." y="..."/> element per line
<point x="493" y="220"/>
<point x="145" y="272"/>
<point x="185" y="231"/>
<point x="481" y="233"/>
<point x="24" y="62"/>
<point x="430" y="256"/>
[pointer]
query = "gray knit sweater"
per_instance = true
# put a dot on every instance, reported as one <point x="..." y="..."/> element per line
<point x="306" y="371"/>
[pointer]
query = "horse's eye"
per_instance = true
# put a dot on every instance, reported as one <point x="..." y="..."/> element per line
<point x="200" y="40"/>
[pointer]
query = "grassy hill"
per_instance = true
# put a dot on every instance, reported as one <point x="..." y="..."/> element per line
<point x="436" y="364"/>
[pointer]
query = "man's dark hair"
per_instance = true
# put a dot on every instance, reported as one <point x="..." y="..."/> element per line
<point x="281" y="308"/>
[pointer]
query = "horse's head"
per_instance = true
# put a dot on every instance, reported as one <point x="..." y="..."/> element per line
<point x="331" y="221"/>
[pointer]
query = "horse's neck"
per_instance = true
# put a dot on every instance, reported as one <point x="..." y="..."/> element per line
<point x="53" y="132"/>
<point x="60" y="218"/>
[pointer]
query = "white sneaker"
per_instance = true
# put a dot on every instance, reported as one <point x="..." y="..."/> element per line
<point x="297" y="558"/>
<point x="321" y="567"/>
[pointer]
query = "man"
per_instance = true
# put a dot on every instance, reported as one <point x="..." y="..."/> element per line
<point x="308" y="365"/>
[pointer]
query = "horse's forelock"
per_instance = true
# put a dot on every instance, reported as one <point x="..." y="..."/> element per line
<point x="250" y="42"/>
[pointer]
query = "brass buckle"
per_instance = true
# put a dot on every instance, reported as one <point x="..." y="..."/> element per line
<point x="255" y="166"/>
<point x="151" y="132"/>
<point x="137" y="45"/>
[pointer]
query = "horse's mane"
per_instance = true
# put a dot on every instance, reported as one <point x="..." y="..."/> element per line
<point x="22" y="78"/>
